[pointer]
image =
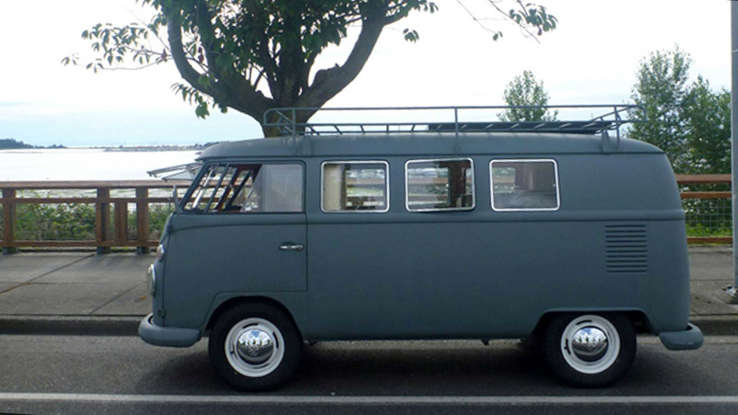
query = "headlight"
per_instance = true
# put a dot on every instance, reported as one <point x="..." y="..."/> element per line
<point x="160" y="251"/>
<point x="151" y="280"/>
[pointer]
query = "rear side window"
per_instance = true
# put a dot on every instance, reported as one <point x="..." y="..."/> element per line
<point x="438" y="185"/>
<point x="248" y="188"/>
<point x="524" y="185"/>
<point x="355" y="186"/>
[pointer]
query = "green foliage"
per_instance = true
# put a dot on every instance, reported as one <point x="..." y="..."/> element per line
<point x="65" y="222"/>
<point x="55" y="222"/>
<point x="707" y="116"/>
<point x="231" y="52"/>
<point x="702" y="231"/>
<point x="525" y="91"/>
<point x="690" y="122"/>
<point x="158" y="215"/>
<point x="660" y="92"/>
<point x="532" y="15"/>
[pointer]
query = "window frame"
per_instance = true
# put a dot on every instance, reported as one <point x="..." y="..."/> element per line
<point x="387" y="185"/>
<point x="492" y="185"/>
<point x="207" y="165"/>
<point x="461" y="209"/>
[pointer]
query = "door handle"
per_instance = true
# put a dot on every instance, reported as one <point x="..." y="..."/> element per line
<point x="291" y="246"/>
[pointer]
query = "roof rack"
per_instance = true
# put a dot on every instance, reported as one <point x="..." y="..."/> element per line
<point x="462" y="119"/>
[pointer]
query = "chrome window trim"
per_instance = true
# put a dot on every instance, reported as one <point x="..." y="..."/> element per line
<point x="386" y="183"/>
<point x="492" y="185"/>
<point x="473" y="183"/>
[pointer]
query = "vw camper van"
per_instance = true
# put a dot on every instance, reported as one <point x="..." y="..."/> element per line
<point x="558" y="231"/>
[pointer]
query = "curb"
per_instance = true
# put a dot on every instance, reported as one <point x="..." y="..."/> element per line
<point x="85" y="325"/>
<point x="717" y="325"/>
<point x="73" y="325"/>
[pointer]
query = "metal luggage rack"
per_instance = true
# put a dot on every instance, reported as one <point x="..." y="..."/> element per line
<point x="285" y="120"/>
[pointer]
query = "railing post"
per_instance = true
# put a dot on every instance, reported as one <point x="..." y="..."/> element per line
<point x="120" y="222"/>
<point x="142" y="220"/>
<point x="102" y="219"/>
<point x="9" y="219"/>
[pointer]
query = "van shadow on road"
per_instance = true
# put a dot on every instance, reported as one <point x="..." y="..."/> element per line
<point x="440" y="368"/>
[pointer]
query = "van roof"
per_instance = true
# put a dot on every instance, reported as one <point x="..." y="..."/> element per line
<point x="423" y="144"/>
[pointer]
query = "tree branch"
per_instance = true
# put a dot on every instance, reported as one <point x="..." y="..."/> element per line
<point x="329" y="82"/>
<point x="174" y="30"/>
<point x="522" y="27"/>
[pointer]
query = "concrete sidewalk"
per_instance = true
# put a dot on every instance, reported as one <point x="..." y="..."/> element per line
<point x="113" y="286"/>
<point x="74" y="284"/>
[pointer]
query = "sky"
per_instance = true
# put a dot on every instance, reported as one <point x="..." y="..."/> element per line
<point x="591" y="58"/>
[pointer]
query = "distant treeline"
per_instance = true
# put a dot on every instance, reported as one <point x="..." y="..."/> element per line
<point x="160" y="147"/>
<point x="11" y="143"/>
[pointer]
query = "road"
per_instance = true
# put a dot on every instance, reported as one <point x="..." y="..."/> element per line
<point x="59" y="374"/>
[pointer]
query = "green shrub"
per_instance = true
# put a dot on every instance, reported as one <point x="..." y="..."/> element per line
<point x="55" y="222"/>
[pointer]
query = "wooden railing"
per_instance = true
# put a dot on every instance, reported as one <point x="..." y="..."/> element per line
<point x="686" y="179"/>
<point x="103" y="202"/>
<point x="105" y="239"/>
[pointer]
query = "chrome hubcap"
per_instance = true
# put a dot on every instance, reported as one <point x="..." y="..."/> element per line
<point x="254" y="347"/>
<point x="590" y="344"/>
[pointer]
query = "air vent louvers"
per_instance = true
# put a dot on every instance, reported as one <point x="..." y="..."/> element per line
<point x="626" y="249"/>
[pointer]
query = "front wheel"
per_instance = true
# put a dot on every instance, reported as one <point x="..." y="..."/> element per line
<point x="254" y="347"/>
<point x="590" y="350"/>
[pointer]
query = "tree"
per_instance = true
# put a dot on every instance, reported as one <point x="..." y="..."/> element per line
<point x="526" y="91"/>
<point x="707" y="116"/>
<point x="707" y="122"/>
<point x="252" y="55"/>
<point x="660" y="92"/>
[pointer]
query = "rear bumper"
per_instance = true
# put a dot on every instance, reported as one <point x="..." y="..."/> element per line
<point x="688" y="339"/>
<point x="166" y="336"/>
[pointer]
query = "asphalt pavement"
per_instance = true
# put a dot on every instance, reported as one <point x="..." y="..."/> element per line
<point x="122" y="375"/>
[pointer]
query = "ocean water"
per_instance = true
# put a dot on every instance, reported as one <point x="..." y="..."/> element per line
<point x="85" y="164"/>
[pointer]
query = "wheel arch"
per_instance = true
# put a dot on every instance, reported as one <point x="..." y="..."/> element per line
<point x="230" y="302"/>
<point x="637" y="317"/>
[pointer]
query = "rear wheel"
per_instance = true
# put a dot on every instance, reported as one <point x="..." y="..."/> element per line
<point x="255" y="347"/>
<point x="591" y="349"/>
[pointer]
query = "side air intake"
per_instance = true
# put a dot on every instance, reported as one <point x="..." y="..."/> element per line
<point x="626" y="249"/>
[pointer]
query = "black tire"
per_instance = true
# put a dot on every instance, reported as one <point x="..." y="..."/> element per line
<point x="243" y="321"/>
<point x="601" y="367"/>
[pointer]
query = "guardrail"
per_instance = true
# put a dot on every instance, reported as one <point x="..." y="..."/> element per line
<point x="115" y="233"/>
<point x="106" y="236"/>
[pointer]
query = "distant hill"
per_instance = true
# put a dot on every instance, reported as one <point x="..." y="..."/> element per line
<point x="11" y="143"/>
<point x="7" y="143"/>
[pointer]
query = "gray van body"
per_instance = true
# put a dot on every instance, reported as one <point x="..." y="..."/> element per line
<point x="477" y="274"/>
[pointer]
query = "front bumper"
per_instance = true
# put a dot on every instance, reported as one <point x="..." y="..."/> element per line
<point x="166" y="336"/>
<point x="688" y="339"/>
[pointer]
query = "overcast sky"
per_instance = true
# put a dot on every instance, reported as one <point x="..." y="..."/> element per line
<point x="591" y="58"/>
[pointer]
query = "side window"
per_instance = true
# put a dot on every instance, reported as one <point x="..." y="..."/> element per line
<point x="355" y="186"/>
<point x="524" y="185"/>
<point x="437" y="185"/>
<point x="248" y="188"/>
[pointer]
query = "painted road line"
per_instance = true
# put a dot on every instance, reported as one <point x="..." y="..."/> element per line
<point x="369" y="400"/>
